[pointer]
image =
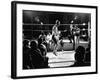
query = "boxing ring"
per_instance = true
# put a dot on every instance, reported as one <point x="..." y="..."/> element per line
<point x="64" y="58"/>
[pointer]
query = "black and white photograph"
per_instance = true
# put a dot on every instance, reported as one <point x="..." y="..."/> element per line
<point x="53" y="39"/>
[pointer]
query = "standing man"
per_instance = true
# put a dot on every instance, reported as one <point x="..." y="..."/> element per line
<point x="70" y="35"/>
<point x="55" y="36"/>
<point x="76" y="34"/>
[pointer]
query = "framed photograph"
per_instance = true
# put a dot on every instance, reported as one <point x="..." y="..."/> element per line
<point x="53" y="39"/>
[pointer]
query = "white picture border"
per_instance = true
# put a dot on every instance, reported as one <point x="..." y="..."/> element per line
<point x="53" y="71"/>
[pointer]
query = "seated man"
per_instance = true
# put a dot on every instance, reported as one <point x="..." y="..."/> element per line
<point x="42" y="39"/>
<point x="49" y="38"/>
<point x="79" y="57"/>
<point x="43" y="50"/>
<point x="49" y="41"/>
<point x="26" y="60"/>
<point x="36" y="57"/>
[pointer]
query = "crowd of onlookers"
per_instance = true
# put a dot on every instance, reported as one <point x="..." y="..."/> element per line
<point x="34" y="55"/>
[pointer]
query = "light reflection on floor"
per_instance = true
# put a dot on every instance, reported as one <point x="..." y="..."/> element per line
<point x="66" y="57"/>
<point x="63" y="58"/>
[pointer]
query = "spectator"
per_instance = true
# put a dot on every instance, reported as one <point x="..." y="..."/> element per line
<point x="26" y="61"/>
<point x="88" y="54"/>
<point x="43" y="50"/>
<point x="79" y="57"/>
<point x="37" y="60"/>
<point x="42" y="39"/>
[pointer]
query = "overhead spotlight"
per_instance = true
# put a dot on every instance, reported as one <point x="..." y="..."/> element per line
<point x="72" y="21"/>
<point x="83" y="29"/>
<point x="41" y="23"/>
<point x="84" y="24"/>
<point x="75" y="17"/>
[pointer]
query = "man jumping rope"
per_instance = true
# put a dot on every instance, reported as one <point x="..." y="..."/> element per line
<point x="55" y="36"/>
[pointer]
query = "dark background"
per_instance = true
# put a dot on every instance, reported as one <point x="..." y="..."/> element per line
<point x="33" y="31"/>
<point x="50" y="17"/>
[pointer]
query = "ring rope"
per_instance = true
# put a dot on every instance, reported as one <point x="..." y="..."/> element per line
<point x="52" y="24"/>
<point x="51" y="30"/>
